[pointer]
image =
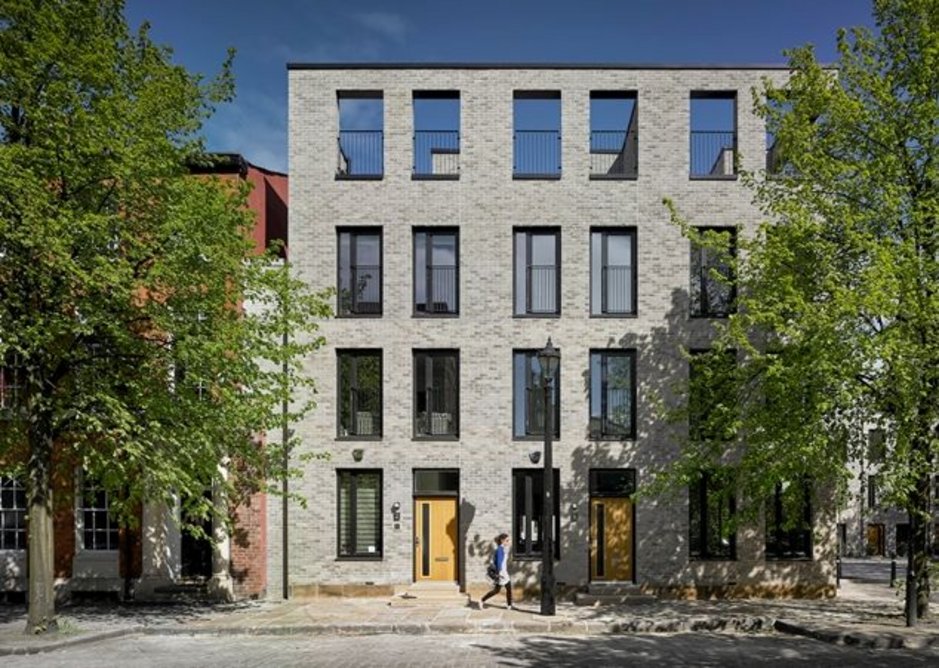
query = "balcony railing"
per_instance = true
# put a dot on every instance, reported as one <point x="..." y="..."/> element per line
<point x="542" y="289"/>
<point x="361" y="154"/>
<point x="440" y="294"/>
<point x="537" y="154"/>
<point x="712" y="153"/>
<point x="363" y="295"/>
<point x="614" y="154"/>
<point x="437" y="154"/>
<point x="617" y="292"/>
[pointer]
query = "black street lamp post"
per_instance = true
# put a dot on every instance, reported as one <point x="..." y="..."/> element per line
<point x="548" y="359"/>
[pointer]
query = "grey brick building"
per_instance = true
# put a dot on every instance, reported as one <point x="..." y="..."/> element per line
<point x="466" y="213"/>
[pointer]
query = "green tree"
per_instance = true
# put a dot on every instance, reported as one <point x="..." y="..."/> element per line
<point x="152" y="344"/>
<point x="838" y="320"/>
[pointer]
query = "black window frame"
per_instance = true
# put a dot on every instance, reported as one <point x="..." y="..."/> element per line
<point x="354" y="474"/>
<point x="429" y="233"/>
<point x="703" y="258"/>
<point x="730" y="95"/>
<point x="528" y="232"/>
<point x="429" y="355"/>
<point x="354" y="233"/>
<point x="602" y="311"/>
<point x="423" y="175"/>
<point x="701" y="403"/>
<point x="518" y="173"/>
<point x="95" y="505"/>
<point x="779" y="540"/>
<point x="523" y="550"/>
<point x="13" y="512"/>
<point x="371" y="175"/>
<point x="605" y="354"/>
<point x="532" y="433"/>
<point x="873" y="491"/>
<point x="355" y="354"/>
<point x="700" y="499"/>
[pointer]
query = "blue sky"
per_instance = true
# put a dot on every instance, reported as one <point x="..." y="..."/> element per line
<point x="269" y="35"/>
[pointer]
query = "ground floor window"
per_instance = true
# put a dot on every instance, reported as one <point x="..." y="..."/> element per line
<point x="902" y="539"/>
<point x="359" y="523"/>
<point x="528" y="505"/>
<point x="789" y="521"/>
<point x="12" y="514"/>
<point x="99" y="530"/>
<point x="710" y="529"/>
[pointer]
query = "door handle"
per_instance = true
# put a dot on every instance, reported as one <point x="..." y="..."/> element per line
<point x="417" y="541"/>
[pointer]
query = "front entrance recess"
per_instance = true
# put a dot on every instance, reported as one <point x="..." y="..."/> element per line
<point x="876" y="540"/>
<point x="435" y="539"/>
<point x="611" y="539"/>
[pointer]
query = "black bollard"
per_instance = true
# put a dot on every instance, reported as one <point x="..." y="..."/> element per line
<point x="838" y="572"/>
<point x="893" y="572"/>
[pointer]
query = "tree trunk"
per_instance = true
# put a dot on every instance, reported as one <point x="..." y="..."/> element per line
<point x="919" y="537"/>
<point x="41" y="548"/>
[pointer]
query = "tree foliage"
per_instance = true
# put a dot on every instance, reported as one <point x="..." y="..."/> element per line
<point x="147" y="334"/>
<point x="837" y="327"/>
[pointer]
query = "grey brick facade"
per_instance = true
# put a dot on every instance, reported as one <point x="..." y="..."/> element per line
<point x="485" y="203"/>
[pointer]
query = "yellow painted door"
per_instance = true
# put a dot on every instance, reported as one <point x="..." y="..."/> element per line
<point x="876" y="540"/>
<point x="611" y="539"/>
<point x="435" y="539"/>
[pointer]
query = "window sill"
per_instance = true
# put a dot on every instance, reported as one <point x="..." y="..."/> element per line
<point x="714" y="316"/>
<point x="536" y="177"/>
<point x="614" y="177"/>
<point x="529" y="316"/>
<point x="434" y="316"/>
<point x="711" y="559"/>
<point x="778" y="559"/>
<point x="435" y="177"/>
<point x="705" y="177"/>
<point x="446" y="438"/>
<point x="362" y="558"/>
<point x="531" y="557"/>
<point x="355" y="316"/>
<point x="614" y="316"/>
<point x="536" y="438"/>
<point x="359" y="177"/>
<point x="611" y="438"/>
<point x="355" y="437"/>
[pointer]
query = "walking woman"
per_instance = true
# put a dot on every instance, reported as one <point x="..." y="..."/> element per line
<point x="501" y="575"/>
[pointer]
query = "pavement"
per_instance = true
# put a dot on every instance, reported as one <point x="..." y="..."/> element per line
<point x="865" y="614"/>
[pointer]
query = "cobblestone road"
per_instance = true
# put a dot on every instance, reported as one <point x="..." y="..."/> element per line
<point x="470" y="651"/>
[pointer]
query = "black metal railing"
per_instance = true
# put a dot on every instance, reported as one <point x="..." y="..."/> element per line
<point x="542" y="289"/>
<point x="363" y="295"/>
<point x="537" y="154"/>
<point x="361" y="153"/>
<point x="712" y="153"/>
<point x="614" y="153"/>
<point x="437" y="153"/>
<point x="441" y="290"/>
<point x="617" y="293"/>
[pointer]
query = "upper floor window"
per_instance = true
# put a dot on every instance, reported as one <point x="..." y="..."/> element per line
<point x="436" y="271"/>
<point x="11" y="385"/>
<point x="713" y="134"/>
<point x="537" y="142"/>
<point x="360" y="530"/>
<point x="436" y="134"/>
<point x="361" y="140"/>
<point x="99" y="530"/>
<point x="789" y="521"/>
<point x="537" y="272"/>
<point x="529" y="396"/>
<point x="360" y="272"/>
<point x="713" y="288"/>
<point x="436" y="393"/>
<point x="612" y="394"/>
<point x="711" y="507"/>
<point x="12" y="514"/>
<point x="711" y="398"/>
<point x="876" y="445"/>
<point x="614" y="135"/>
<point x="873" y="491"/>
<point x="360" y="395"/>
<point x="613" y="271"/>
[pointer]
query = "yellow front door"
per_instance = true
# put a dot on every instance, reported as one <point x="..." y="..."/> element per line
<point x="611" y="539"/>
<point x="435" y="539"/>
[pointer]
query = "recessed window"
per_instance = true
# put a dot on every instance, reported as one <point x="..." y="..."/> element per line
<point x="613" y="271"/>
<point x="713" y="287"/>
<point x="537" y="143"/>
<point x="537" y="272"/>
<point x="436" y="134"/>
<point x="12" y="514"/>
<point x="711" y="507"/>
<point x="99" y="530"/>
<point x="614" y="135"/>
<point x="528" y="513"/>
<point x="360" y="531"/>
<point x="612" y="394"/>
<point x="529" y="396"/>
<point x="436" y="393"/>
<point x="713" y="134"/>
<point x="436" y="271"/>
<point x="711" y="398"/>
<point x="789" y="521"/>
<point x="361" y="140"/>
<point x="873" y="491"/>
<point x="360" y="272"/>
<point x="360" y="394"/>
